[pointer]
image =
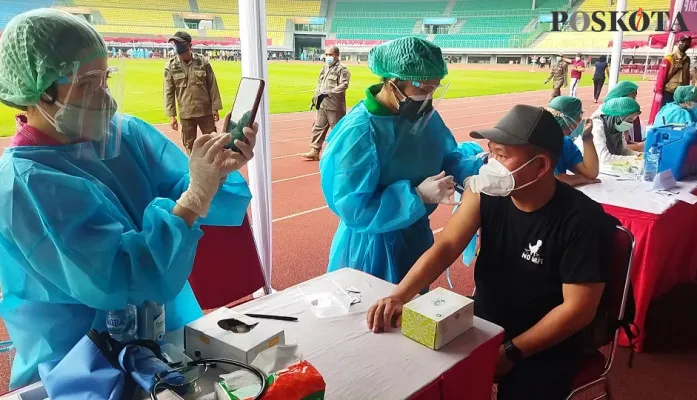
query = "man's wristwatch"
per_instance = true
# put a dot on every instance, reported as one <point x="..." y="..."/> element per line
<point x="513" y="354"/>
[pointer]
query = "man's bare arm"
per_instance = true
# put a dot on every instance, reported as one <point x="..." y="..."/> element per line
<point x="448" y="246"/>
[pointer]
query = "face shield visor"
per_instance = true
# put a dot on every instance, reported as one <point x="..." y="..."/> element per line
<point x="416" y="110"/>
<point x="90" y="110"/>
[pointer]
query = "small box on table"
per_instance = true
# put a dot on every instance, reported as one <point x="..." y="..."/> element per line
<point x="204" y="338"/>
<point x="437" y="317"/>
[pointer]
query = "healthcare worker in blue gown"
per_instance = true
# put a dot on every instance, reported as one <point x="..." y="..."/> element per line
<point x="97" y="209"/>
<point x="390" y="161"/>
<point x="683" y="110"/>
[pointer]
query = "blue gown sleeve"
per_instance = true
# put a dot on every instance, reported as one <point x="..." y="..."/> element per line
<point x="350" y="174"/>
<point x="460" y="160"/>
<point x="81" y="248"/>
<point x="170" y="174"/>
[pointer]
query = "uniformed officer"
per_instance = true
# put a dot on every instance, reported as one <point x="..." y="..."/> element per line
<point x="329" y="100"/>
<point x="189" y="79"/>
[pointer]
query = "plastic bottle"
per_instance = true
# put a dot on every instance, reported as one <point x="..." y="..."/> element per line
<point x="651" y="159"/>
<point x="122" y="325"/>
<point x="151" y="321"/>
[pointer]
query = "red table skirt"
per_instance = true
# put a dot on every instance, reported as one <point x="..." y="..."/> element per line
<point x="665" y="254"/>
<point x="471" y="378"/>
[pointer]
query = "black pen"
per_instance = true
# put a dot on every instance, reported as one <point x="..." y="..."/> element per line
<point x="276" y="317"/>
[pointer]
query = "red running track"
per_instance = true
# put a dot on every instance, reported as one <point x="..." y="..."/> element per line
<point x="303" y="226"/>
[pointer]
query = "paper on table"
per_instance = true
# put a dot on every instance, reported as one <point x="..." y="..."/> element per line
<point x="664" y="181"/>
<point x="688" y="198"/>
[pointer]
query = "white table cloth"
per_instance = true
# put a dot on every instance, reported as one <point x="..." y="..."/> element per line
<point x="356" y="363"/>
<point x="635" y="194"/>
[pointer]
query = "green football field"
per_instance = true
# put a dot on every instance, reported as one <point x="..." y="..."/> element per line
<point x="291" y="86"/>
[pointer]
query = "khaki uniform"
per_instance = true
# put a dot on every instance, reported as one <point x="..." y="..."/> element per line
<point x="558" y="73"/>
<point x="191" y="85"/>
<point x="679" y="72"/>
<point x="333" y="80"/>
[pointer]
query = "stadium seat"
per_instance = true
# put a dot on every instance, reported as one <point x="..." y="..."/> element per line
<point x="18" y="7"/>
<point x="600" y="40"/>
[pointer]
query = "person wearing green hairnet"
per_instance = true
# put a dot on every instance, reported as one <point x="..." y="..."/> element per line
<point x="99" y="209"/>
<point x="610" y="123"/>
<point x="681" y="110"/>
<point x="629" y="89"/>
<point x="568" y="111"/>
<point x="390" y="161"/>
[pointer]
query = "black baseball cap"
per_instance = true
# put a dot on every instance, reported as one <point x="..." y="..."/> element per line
<point x="526" y="124"/>
<point x="181" y="37"/>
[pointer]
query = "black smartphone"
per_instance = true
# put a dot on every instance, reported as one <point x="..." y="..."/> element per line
<point x="244" y="110"/>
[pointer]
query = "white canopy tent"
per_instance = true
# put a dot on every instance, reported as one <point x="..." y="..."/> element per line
<point x="252" y="14"/>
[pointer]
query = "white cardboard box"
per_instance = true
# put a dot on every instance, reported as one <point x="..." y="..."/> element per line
<point x="203" y="338"/>
<point x="437" y="317"/>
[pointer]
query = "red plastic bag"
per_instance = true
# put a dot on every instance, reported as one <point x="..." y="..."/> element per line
<point x="300" y="381"/>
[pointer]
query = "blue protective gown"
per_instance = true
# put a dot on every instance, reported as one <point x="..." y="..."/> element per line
<point x="369" y="173"/>
<point x="672" y="113"/>
<point x="79" y="236"/>
<point x="469" y="149"/>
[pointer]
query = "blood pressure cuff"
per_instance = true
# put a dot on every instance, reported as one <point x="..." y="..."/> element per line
<point x="89" y="371"/>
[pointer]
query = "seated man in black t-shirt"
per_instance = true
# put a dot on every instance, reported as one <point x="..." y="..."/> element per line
<point x="541" y="269"/>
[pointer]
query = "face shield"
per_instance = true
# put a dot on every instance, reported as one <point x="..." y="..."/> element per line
<point x="416" y="110"/>
<point x="90" y="110"/>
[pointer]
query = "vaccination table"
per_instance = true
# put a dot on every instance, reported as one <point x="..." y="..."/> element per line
<point x="663" y="224"/>
<point x="358" y="364"/>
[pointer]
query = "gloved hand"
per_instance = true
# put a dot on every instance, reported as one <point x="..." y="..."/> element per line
<point x="438" y="189"/>
<point x="210" y="163"/>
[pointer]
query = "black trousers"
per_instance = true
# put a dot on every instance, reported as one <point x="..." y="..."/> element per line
<point x="544" y="376"/>
<point x="598" y="87"/>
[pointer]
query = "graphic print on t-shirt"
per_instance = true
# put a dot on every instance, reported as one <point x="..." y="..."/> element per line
<point x="532" y="253"/>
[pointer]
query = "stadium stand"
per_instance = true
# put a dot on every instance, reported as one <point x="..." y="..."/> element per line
<point x="373" y="21"/>
<point x="471" y="27"/>
<point x="14" y="8"/>
<point x="470" y="21"/>
<point x="598" y="40"/>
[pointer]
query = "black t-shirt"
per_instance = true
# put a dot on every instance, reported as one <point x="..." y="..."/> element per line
<point x="526" y="257"/>
<point x="600" y="67"/>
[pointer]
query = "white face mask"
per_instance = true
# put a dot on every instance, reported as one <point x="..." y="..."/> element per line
<point x="494" y="179"/>
<point x="76" y="122"/>
<point x="624" y="126"/>
<point x="329" y="60"/>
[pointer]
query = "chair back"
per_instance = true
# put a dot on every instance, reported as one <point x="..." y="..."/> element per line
<point x="617" y="288"/>
<point x="620" y="271"/>
<point x="227" y="266"/>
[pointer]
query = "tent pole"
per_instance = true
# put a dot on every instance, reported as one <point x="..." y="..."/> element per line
<point x="616" y="61"/>
<point x="646" y="63"/>
<point x="254" y="65"/>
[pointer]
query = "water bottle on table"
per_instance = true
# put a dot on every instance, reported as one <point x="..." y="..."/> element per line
<point x="123" y="324"/>
<point x="651" y="159"/>
<point x="151" y="321"/>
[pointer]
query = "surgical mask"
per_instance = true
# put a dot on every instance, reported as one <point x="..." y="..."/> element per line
<point x="578" y="58"/>
<point x="624" y="126"/>
<point x="329" y="60"/>
<point x="578" y="131"/>
<point x="689" y="105"/>
<point x="180" y="48"/>
<point x="82" y="123"/>
<point x="494" y="179"/>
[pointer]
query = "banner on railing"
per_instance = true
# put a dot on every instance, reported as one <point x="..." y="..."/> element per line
<point x="545" y="18"/>
<point x="439" y="21"/>
<point x="349" y="42"/>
